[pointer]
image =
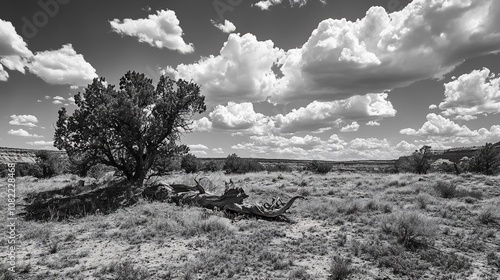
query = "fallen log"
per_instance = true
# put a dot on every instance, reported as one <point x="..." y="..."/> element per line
<point x="231" y="200"/>
<point x="78" y="200"/>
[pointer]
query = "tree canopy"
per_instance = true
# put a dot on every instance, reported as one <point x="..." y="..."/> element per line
<point x="132" y="128"/>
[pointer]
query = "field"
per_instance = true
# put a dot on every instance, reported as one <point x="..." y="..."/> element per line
<point x="351" y="226"/>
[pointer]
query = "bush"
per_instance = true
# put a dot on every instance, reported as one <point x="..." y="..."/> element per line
<point x="190" y="163"/>
<point x="319" y="167"/>
<point x="235" y="164"/>
<point x="486" y="160"/>
<point x="279" y="167"/>
<point x="340" y="269"/>
<point x="212" y="166"/>
<point x="411" y="230"/>
<point x="419" y="161"/>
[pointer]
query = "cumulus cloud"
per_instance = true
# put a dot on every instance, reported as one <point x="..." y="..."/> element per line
<point x="13" y="50"/>
<point x="472" y="94"/>
<point x="198" y="149"/>
<point x="319" y="115"/>
<point x="381" y="51"/>
<point x="25" y="120"/>
<point x="160" y="30"/>
<point x="310" y="147"/>
<point x="41" y="143"/>
<point x="442" y="130"/>
<point x="62" y="67"/>
<point x="240" y="73"/>
<point x="218" y="150"/>
<point x="354" y="126"/>
<point x="240" y="117"/>
<point x="23" y="133"/>
<point x="433" y="106"/>
<point x="373" y="123"/>
<point x="266" y="4"/>
<point x="227" y="27"/>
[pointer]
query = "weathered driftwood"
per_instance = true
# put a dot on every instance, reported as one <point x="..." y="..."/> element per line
<point x="77" y="200"/>
<point x="231" y="200"/>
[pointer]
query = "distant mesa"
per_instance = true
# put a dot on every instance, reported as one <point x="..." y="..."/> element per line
<point x="16" y="155"/>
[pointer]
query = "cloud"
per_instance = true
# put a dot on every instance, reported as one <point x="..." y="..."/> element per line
<point x="472" y="94"/>
<point x="198" y="149"/>
<point x="266" y="4"/>
<point x="23" y="133"/>
<point x="239" y="117"/>
<point x="354" y="126"/>
<point x="160" y="30"/>
<point x="319" y="115"/>
<point x="240" y="73"/>
<point x="58" y="98"/>
<point x="41" y="143"/>
<point x="316" y="117"/>
<point x="310" y="147"/>
<point x="433" y="106"/>
<point x="406" y="147"/>
<point x="25" y="120"/>
<point x="218" y="150"/>
<point x="62" y="67"/>
<point x="56" y="102"/>
<point x="442" y="130"/>
<point x="373" y="123"/>
<point x="381" y="51"/>
<point x="227" y="27"/>
<point x="13" y="50"/>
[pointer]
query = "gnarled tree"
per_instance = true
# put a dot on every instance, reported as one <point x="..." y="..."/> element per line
<point x="131" y="128"/>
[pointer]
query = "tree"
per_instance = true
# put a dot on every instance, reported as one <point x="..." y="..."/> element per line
<point x="131" y="128"/>
<point x="486" y="160"/>
<point x="190" y="163"/>
<point x="419" y="161"/>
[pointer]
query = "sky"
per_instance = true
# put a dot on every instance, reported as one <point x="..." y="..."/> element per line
<point x="297" y="79"/>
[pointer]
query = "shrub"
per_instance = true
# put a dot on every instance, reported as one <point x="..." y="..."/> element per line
<point x="319" y="167"/>
<point x="419" y="161"/>
<point x="190" y="163"/>
<point x="49" y="164"/>
<point x="486" y="160"/>
<point x="445" y="189"/>
<point x="411" y="230"/>
<point x="235" y="164"/>
<point x="279" y="167"/>
<point x="212" y="166"/>
<point x="340" y="268"/>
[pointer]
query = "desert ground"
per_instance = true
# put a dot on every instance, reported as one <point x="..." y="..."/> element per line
<point x="350" y="226"/>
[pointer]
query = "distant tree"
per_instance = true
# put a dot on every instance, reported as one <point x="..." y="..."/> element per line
<point x="235" y="164"/>
<point x="319" y="167"/>
<point x="419" y="161"/>
<point x="212" y="166"/>
<point x="486" y="160"/>
<point x="48" y="164"/>
<point x="130" y="128"/>
<point x="190" y="163"/>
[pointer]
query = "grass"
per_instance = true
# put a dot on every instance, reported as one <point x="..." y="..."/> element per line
<point x="352" y="226"/>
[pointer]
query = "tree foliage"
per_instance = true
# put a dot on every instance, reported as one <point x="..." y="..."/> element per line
<point x="190" y="163"/>
<point x="419" y="161"/>
<point x="486" y="160"/>
<point x="235" y="164"/>
<point x="131" y="128"/>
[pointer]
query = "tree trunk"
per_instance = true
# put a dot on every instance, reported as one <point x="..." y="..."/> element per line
<point x="231" y="200"/>
<point x="78" y="200"/>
